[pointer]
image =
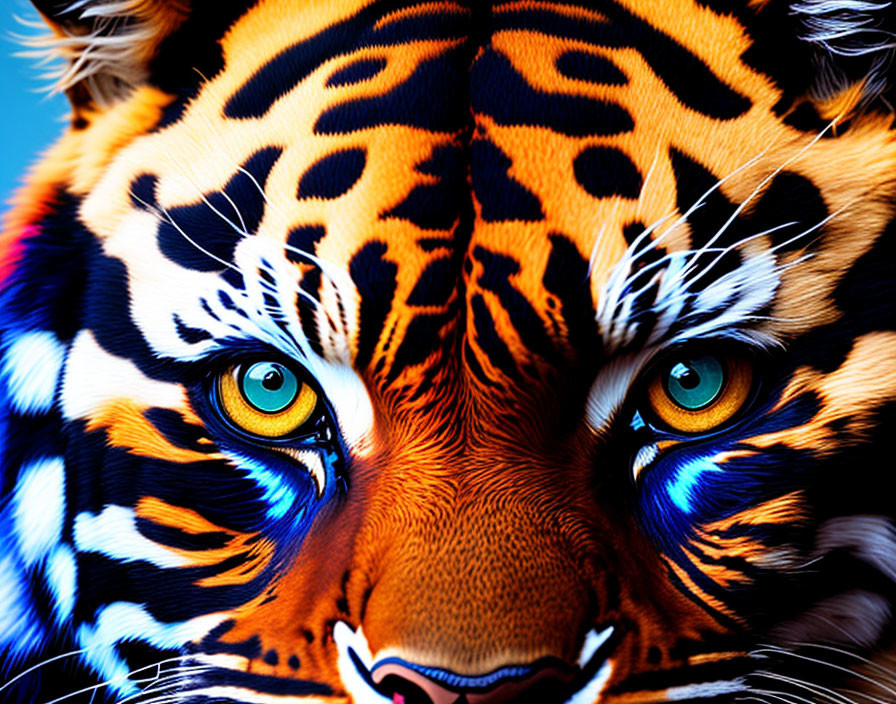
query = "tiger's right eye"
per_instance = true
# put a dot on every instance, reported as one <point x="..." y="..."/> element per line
<point x="699" y="392"/>
<point x="266" y="398"/>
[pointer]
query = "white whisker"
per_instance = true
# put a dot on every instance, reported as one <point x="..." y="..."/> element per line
<point x="810" y="687"/>
<point x="31" y="669"/>
<point x="888" y="690"/>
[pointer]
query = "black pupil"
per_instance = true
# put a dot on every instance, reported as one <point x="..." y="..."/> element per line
<point x="273" y="380"/>
<point x="687" y="378"/>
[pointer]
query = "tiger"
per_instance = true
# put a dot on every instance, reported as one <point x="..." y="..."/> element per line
<point x="448" y="352"/>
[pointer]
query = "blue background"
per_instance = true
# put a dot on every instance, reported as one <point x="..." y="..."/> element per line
<point x="30" y="121"/>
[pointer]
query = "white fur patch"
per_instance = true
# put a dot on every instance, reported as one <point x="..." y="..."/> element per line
<point x="31" y="367"/>
<point x="128" y="621"/>
<point x="62" y="578"/>
<point x="704" y="690"/>
<point x="591" y="691"/>
<point x="20" y="631"/>
<point x="39" y="508"/>
<point x="266" y="312"/>
<point x="94" y="378"/>
<point x="248" y="696"/>
<point x="114" y="533"/>
<point x="593" y="641"/>
<point x="610" y="388"/>
<point x="346" y="639"/>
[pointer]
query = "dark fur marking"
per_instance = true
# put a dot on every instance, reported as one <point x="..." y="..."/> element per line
<point x="305" y="239"/>
<point x="489" y="341"/>
<point x="432" y="98"/>
<point x="177" y="431"/>
<point x="310" y="284"/>
<point x="693" y="180"/>
<point x="212" y="644"/>
<point x="209" y="230"/>
<point x="436" y="206"/>
<point x="474" y="366"/>
<point x="431" y="244"/>
<point x="19" y="448"/>
<point x="607" y="171"/>
<point x="189" y="335"/>
<point x="593" y="68"/>
<point x="102" y="581"/>
<point x="294" y="64"/>
<point x="143" y="191"/>
<point x="789" y="198"/>
<point x="107" y="314"/>
<point x="422" y="338"/>
<point x="265" y="683"/>
<point x="498" y="90"/>
<point x="356" y="72"/>
<point x="376" y="280"/>
<point x="496" y="272"/>
<point x="566" y="276"/>
<point x="192" y="54"/>
<point x="866" y="301"/>
<point x="436" y="283"/>
<point x="333" y="175"/>
<point x="45" y="291"/>
<point x="687" y="76"/>
<point x="176" y="538"/>
<point x="500" y="196"/>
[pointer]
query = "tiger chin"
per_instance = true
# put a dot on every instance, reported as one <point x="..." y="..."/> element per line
<point x="446" y="352"/>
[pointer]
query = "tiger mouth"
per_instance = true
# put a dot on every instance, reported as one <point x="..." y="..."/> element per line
<point x="365" y="678"/>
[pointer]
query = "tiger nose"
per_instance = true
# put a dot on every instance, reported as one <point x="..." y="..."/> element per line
<point x="407" y="683"/>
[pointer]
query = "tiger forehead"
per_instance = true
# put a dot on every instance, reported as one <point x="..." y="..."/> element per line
<point x="402" y="147"/>
<point x="340" y="110"/>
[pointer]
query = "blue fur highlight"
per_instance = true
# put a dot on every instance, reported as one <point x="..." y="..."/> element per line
<point x="684" y="487"/>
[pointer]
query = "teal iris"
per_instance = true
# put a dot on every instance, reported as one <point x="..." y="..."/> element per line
<point x="696" y="382"/>
<point x="269" y="387"/>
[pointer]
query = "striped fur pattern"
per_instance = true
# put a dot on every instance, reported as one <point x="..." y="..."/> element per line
<point x="477" y="232"/>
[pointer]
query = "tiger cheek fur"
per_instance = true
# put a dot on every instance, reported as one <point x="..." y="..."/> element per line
<point x="447" y="352"/>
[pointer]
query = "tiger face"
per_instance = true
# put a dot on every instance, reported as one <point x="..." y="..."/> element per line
<point x="443" y="352"/>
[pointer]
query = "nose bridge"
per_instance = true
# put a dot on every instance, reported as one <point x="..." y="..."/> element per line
<point x="494" y="571"/>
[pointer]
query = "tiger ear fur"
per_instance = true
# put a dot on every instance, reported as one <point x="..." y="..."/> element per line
<point x="100" y="50"/>
<point x="852" y="45"/>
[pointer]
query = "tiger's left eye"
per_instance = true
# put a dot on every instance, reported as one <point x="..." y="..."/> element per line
<point x="696" y="393"/>
<point x="266" y="398"/>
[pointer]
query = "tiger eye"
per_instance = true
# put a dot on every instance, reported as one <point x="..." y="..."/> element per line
<point x="266" y="399"/>
<point x="699" y="393"/>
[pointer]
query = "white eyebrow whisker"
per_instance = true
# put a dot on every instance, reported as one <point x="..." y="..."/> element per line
<point x="739" y="209"/>
<point x="730" y="248"/>
<point x="331" y="272"/>
<point x="340" y="280"/>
